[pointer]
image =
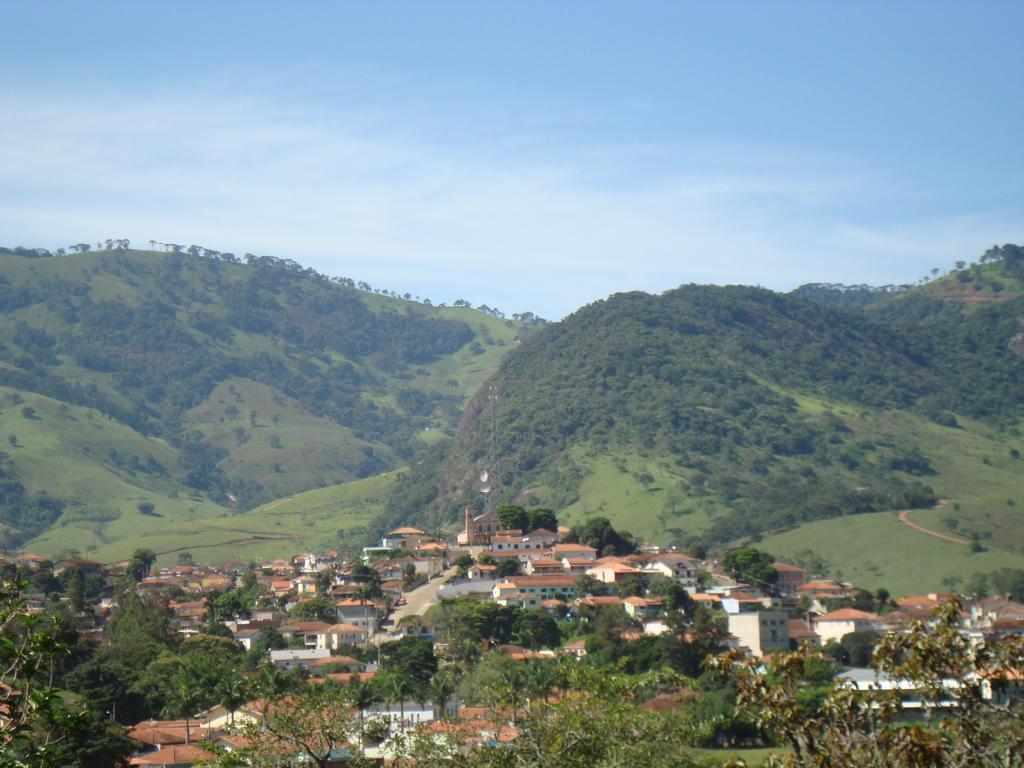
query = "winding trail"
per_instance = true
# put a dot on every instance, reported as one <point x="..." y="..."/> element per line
<point x="904" y="518"/>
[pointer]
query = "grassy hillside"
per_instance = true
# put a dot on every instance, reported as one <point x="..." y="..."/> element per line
<point x="228" y="384"/>
<point x="336" y="516"/>
<point x="876" y="550"/>
<point x="975" y="473"/>
<point x="106" y="471"/>
<point x="728" y="414"/>
<point x="270" y="440"/>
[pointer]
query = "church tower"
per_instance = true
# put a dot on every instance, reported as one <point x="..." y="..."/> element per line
<point x="469" y="526"/>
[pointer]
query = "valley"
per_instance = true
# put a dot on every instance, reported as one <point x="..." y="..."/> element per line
<point x="246" y="408"/>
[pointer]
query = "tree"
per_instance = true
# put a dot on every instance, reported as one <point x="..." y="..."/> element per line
<point x="316" y="609"/>
<point x="408" y="575"/>
<point x="599" y="533"/>
<point x="977" y="585"/>
<point x="32" y="715"/>
<point x="603" y="728"/>
<point x="184" y="700"/>
<point x="271" y="685"/>
<point x="398" y="688"/>
<point x="140" y="564"/>
<point x="673" y="596"/>
<point x="870" y="728"/>
<point x="362" y="696"/>
<point x="509" y="566"/>
<point x="442" y="687"/>
<point x="542" y="517"/>
<point x="751" y="566"/>
<point x="535" y="629"/>
<point x="512" y="517"/>
<point x="464" y="563"/>
<point x="634" y="585"/>
<point x="588" y="585"/>
<point x="411" y="658"/>
<point x="708" y="627"/>
<point x="233" y="692"/>
<point x="859" y="647"/>
<point x="1008" y="582"/>
<point x="313" y="727"/>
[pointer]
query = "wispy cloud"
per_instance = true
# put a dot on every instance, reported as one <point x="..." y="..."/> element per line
<point x="515" y="222"/>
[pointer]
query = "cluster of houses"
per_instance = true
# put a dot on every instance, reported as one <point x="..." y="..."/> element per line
<point x="549" y="574"/>
<point x="794" y="610"/>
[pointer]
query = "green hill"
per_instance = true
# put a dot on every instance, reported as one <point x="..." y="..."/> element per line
<point x="208" y="386"/>
<point x="725" y="414"/>
<point x="193" y="401"/>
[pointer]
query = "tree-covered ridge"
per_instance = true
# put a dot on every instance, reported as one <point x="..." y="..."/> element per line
<point x="998" y="273"/>
<point x="166" y="311"/>
<point x="145" y="338"/>
<point x="709" y="379"/>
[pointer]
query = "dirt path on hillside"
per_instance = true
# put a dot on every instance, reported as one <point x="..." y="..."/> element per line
<point x="276" y="504"/>
<point x="904" y="518"/>
<point x="232" y="542"/>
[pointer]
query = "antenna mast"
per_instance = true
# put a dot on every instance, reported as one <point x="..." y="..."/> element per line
<point x="488" y="476"/>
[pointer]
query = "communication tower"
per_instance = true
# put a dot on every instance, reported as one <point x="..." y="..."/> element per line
<point x="489" y="475"/>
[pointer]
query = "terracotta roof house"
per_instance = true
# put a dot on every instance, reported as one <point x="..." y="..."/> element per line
<point x="162" y="733"/>
<point x="175" y="756"/>
<point x="800" y="632"/>
<point x="576" y="551"/>
<point x="790" y="577"/>
<point x="612" y="571"/>
<point x="642" y="607"/>
<point x="837" y="624"/>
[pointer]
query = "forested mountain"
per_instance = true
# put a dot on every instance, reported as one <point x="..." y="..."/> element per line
<point x="752" y="411"/>
<point x="239" y="381"/>
<point x="158" y="397"/>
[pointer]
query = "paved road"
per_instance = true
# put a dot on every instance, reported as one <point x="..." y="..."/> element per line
<point x="421" y="598"/>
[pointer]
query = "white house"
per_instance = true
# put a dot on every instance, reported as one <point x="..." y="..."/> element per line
<point x="337" y="635"/>
<point x="362" y="614"/>
<point x="682" y="568"/>
<point x="837" y="624"/>
<point x="573" y="552"/>
<point x="290" y="658"/>
<point x="612" y="571"/>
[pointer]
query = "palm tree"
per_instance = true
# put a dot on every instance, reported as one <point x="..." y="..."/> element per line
<point x="540" y="680"/>
<point x="233" y="691"/>
<point x="185" y="699"/>
<point x="507" y="688"/>
<point x="402" y="687"/>
<point x="442" y="686"/>
<point x="271" y="685"/>
<point x="562" y="676"/>
<point x="363" y="696"/>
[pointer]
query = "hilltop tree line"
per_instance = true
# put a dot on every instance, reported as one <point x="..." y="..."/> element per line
<point x="198" y="251"/>
<point x="158" y="345"/>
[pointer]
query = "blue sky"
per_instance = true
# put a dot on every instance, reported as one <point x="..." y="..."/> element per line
<point x="530" y="156"/>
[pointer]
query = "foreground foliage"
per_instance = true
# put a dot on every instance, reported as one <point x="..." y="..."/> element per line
<point x="970" y="713"/>
<point x="39" y="727"/>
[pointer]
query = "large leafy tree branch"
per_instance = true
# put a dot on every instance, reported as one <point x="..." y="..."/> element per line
<point x="961" y="713"/>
